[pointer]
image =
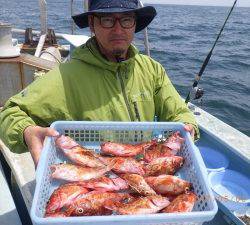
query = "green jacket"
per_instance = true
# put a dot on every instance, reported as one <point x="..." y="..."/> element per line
<point x="91" y="88"/>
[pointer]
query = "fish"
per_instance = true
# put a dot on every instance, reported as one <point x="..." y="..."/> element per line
<point x="182" y="203"/>
<point x="73" y="173"/>
<point x="124" y="165"/>
<point x="78" y="154"/>
<point x="157" y="151"/>
<point x="93" y="203"/>
<point x="105" y="183"/>
<point x="143" y="205"/>
<point x="125" y="150"/>
<point x="168" y="184"/>
<point x="174" y="142"/>
<point x="165" y="165"/>
<point x="63" y="196"/>
<point x="137" y="183"/>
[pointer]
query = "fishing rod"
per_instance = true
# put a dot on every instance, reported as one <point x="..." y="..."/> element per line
<point x="198" y="91"/>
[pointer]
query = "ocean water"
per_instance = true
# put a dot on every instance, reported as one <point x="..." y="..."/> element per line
<point x="180" y="39"/>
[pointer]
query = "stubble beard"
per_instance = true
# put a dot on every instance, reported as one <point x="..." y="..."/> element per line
<point x="118" y="53"/>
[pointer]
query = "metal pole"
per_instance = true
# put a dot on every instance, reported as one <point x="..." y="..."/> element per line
<point x="86" y="5"/>
<point x="40" y="45"/>
<point x="72" y="13"/>
<point x="145" y="31"/>
<point x="43" y="16"/>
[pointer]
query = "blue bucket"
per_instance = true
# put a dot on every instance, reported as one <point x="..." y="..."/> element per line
<point x="214" y="160"/>
<point x="231" y="188"/>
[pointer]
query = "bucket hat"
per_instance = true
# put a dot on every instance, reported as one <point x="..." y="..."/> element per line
<point x="144" y="15"/>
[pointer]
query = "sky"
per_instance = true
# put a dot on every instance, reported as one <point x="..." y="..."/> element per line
<point x="240" y="3"/>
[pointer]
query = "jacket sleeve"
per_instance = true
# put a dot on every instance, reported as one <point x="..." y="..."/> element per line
<point x="41" y="103"/>
<point x="168" y="103"/>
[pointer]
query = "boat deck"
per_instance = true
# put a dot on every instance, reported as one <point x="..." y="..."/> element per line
<point x="23" y="168"/>
<point x="8" y="211"/>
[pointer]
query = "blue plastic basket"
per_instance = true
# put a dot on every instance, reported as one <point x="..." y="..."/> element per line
<point x="91" y="134"/>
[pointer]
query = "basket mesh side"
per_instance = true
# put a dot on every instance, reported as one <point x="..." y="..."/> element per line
<point x="47" y="181"/>
<point x="189" y="172"/>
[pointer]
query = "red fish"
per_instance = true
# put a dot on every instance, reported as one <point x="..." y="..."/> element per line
<point x="182" y="203"/>
<point x="157" y="151"/>
<point x="164" y="165"/>
<point x="69" y="172"/>
<point x="93" y="203"/>
<point x="167" y="184"/>
<point x="174" y="142"/>
<point x="124" y="165"/>
<point x="105" y="183"/>
<point x="119" y="149"/>
<point x="77" y="153"/>
<point x="63" y="196"/>
<point x="144" y="205"/>
<point x="137" y="183"/>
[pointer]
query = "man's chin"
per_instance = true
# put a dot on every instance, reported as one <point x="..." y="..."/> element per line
<point x="118" y="52"/>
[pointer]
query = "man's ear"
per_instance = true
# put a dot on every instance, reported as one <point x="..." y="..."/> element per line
<point x="91" y="23"/>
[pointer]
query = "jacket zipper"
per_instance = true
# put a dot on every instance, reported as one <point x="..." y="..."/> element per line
<point x="137" y="114"/>
<point x="124" y="95"/>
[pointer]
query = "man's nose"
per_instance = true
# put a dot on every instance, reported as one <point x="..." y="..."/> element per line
<point x="117" y="27"/>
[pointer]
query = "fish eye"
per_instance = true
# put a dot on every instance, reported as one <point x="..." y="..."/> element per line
<point x="80" y="210"/>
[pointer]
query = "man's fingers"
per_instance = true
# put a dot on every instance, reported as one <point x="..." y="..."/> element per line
<point x="34" y="137"/>
<point x="49" y="132"/>
<point x="190" y="129"/>
<point x="35" y="147"/>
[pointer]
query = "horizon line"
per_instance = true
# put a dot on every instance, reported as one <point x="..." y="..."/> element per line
<point x="184" y="4"/>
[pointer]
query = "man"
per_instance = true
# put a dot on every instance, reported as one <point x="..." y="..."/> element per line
<point x="107" y="79"/>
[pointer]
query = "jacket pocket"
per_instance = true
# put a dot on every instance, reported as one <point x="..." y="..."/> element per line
<point x="143" y="106"/>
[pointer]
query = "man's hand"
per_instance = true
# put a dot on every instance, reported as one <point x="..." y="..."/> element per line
<point x="34" y="137"/>
<point x="190" y="129"/>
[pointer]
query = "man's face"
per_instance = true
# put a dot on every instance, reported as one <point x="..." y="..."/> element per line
<point x="116" y="39"/>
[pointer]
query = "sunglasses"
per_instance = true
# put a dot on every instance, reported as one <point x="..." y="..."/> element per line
<point x="126" y="22"/>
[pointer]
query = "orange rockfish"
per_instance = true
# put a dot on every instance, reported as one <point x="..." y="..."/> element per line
<point x="164" y="165"/>
<point x="93" y="203"/>
<point x="119" y="149"/>
<point x="168" y="184"/>
<point x="157" y="151"/>
<point x="124" y="165"/>
<point x="77" y="153"/>
<point x="137" y="183"/>
<point x="63" y="196"/>
<point x="182" y="203"/>
<point x="105" y="183"/>
<point x="174" y="142"/>
<point x="73" y="173"/>
<point x="144" y="205"/>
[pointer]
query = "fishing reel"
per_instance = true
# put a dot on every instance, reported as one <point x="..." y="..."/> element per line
<point x="197" y="93"/>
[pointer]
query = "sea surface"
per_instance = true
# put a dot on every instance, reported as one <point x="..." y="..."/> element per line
<point x="180" y="39"/>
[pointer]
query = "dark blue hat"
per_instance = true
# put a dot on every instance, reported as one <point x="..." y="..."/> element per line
<point x="144" y="15"/>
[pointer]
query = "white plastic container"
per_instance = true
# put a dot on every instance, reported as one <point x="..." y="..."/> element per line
<point x="91" y="134"/>
<point x="214" y="160"/>
<point x="7" y="50"/>
<point x="231" y="188"/>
